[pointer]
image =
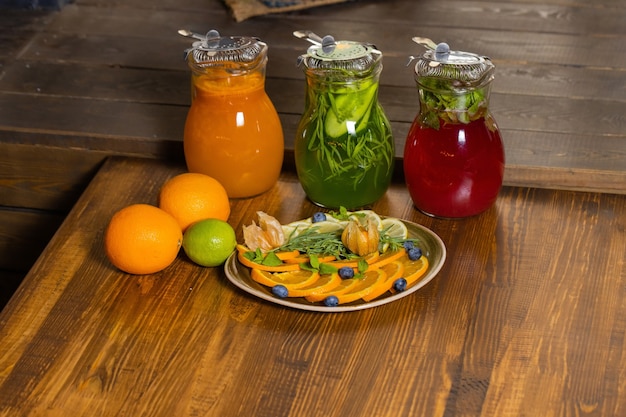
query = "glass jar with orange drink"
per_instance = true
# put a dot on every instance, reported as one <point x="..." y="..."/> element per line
<point x="232" y="132"/>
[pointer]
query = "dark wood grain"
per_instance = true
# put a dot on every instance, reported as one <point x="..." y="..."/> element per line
<point x="23" y="236"/>
<point x="9" y="281"/>
<point x="36" y="177"/>
<point x="525" y="318"/>
<point x="18" y="27"/>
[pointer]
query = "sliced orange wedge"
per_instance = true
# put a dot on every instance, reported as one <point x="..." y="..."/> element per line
<point x="413" y="270"/>
<point x="393" y="270"/>
<point x="383" y="270"/>
<point x="354" y="263"/>
<point x="304" y="259"/>
<point x="243" y="248"/>
<point x="344" y="286"/>
<point x="324" y="283"/>
<point x="387" y="257"/>
<point x="292" y="280"/>
<point x="281" y="255"/>
<point x="365" y="285"/>
<point x="283" y="267"/>
<point x="287" y="256"/>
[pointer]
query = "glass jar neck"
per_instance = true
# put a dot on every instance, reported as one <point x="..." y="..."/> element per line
<point x="224" y="80"/>
<point x="443" y="102"/>
<point x="227" y="69"/>
<point x="338" y="76"/>
<point x="330" y="84"/>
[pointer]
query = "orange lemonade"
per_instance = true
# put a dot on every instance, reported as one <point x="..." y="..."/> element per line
<point x="233" y="132"/>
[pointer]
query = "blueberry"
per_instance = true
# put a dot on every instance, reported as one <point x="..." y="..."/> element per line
<point x="319" y="217"/>
<point x="280" y="291"/>
<point x="331" y="301"/>
<point x="399" y="284"/>
<point x="346" y="272"/>
<point x="408" y="244"/>
<point x="415" y="254"/>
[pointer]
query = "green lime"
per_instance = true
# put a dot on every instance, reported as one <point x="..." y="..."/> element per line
<point x="209" y="242"/>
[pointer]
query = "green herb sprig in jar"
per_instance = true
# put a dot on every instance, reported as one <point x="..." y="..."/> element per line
<point x="344" y="148"/>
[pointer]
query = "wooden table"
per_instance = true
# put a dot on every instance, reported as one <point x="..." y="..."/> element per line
<point x="526" y="318"/>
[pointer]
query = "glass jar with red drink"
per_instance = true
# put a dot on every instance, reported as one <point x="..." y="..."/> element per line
<point x="453" y="156"/>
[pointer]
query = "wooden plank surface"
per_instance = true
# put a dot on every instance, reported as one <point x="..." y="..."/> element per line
<point x="40" y="184"/>
<point x="18" y="27"/>
<point x="523" y="319"/>
<point x="45" y="177"/>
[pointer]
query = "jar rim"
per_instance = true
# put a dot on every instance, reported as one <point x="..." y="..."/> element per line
<point x="460" y="69"/>
<point x="214" y="50"/>
<point x="341" y="56"/>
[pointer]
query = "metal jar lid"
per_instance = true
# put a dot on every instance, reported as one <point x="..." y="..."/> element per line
<point x="214" y="50"/>
<point x="328" y="54"/>
<point x="462" y="70"/>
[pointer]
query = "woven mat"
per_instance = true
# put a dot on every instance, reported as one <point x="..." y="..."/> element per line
<point x="244" y="9"/>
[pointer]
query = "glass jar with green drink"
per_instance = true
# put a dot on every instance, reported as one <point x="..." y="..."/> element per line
<point x="344" y="148"/>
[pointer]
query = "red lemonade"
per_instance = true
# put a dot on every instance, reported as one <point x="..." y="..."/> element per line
<point x="453" y="156"/>
<point x="456" y="170"/>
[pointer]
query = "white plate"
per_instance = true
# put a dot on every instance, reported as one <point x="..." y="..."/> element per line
<point x="431" y="245"/>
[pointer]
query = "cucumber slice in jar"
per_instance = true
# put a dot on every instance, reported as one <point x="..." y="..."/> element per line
<point x="349" y="108"/>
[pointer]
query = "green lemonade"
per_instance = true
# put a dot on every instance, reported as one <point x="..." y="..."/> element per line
<point x="344" y="148"/>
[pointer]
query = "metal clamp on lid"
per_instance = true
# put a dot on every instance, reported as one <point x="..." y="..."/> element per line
<point x="326" y="53"/>
<point x="213" y="49"/>
<point x="462" y="68"/>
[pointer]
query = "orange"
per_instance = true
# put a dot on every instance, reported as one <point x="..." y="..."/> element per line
<point x="142" y="239"/>
<point x="305" y="259"/>
<point x="344" y="286"/>
<point x="413" y="270"/>
<point x="354" y="263"/>
<point x="324" y="283"/>
<point x="284" y="267"/>
<point x="387" y="258"/>
<point x="284" y="256"/>
<point x="191" y="197"/>
<point x="370" y="280"/>
<point x="291" y="279"/>
<point x="394" y="270"/>
<point x="243" y="249"/>
<point x="353" y="289"/>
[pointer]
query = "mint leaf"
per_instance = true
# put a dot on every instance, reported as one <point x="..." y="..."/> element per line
<point x="362" y="265"/>
<point x="314" y="261"/>
<point x="271" y="260"/>
<point x="254" y="256"/>
<point x="327" y="269"/>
